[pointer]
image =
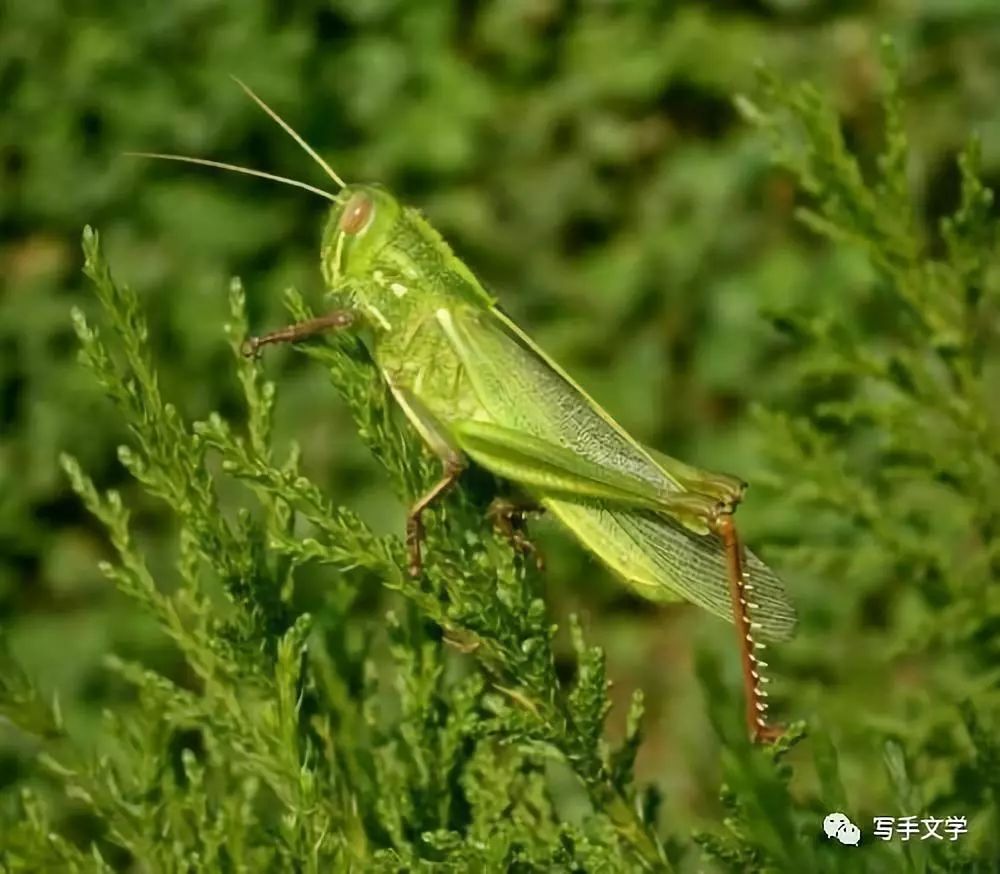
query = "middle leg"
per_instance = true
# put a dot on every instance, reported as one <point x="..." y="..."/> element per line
<point x="453" y="467"/>
<point x="508" y="518"/>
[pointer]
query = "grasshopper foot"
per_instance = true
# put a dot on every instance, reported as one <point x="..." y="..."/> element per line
<point x="414" y="537"/>
<point x="250" y="348"/>
<point x="767" y="733"/>
<point x="464" y="642"/>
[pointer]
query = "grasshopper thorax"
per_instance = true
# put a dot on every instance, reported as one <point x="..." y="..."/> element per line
<point x="360" y="224"/>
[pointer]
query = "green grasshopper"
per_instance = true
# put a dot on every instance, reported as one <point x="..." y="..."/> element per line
<point x="476" y="387"/>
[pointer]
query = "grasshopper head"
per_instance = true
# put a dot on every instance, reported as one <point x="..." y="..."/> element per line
<point x="360" y="224"/>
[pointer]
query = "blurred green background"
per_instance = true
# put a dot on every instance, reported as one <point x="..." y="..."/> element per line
<point x="585" y="159"/>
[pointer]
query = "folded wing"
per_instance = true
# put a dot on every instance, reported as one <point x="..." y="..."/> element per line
<point x="523" y="390"/>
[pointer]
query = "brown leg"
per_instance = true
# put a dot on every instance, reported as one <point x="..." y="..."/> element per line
<point x="508" y="518"/>
<point x="739" y="588"/>
<point x="453" y="467"/>
<point x="299" y="331"/>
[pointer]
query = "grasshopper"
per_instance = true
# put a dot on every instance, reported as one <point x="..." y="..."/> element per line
<point x="476" y="388"/>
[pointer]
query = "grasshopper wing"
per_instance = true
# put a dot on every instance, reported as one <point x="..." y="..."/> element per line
<point x="662" y="560"/>
<point x="521" y="389"/>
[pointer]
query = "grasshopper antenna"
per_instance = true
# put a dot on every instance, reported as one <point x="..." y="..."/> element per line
<point x="233" y="168"/>
<point x="291" y="132"/>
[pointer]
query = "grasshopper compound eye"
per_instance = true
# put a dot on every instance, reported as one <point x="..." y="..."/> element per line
<point x="357" y="214"/>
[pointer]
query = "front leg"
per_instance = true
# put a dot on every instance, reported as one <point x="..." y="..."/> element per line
<point x="334" y="320"/>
